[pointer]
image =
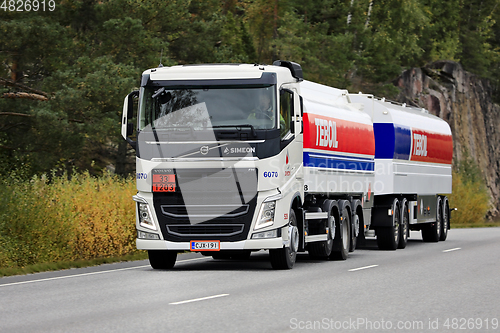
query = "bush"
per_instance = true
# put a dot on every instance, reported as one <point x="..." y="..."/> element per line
<point x="470" y="195"/>
<point x="64" y="220"/>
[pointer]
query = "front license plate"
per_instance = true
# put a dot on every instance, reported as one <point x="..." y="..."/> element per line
<point x="205" y="246"/>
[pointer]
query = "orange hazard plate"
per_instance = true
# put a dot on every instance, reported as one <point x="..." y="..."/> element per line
<point x="163" y="183"/>
<point x="207" y="245"/>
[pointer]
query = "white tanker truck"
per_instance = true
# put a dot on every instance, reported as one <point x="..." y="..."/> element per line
<point x="235" y="158"/>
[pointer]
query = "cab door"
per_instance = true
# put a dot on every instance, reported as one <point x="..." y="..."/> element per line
<point x="291" y="129"/>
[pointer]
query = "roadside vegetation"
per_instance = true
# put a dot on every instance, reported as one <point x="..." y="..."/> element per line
<point x="470" y="196"/>
<point x="61" y="219"/>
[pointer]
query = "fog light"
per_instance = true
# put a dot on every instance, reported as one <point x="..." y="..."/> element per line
<point x="266" y="234"/>
<point x="147" y="235"/>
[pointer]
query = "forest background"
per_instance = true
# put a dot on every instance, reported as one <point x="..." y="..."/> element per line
<point x="65" y="72"/>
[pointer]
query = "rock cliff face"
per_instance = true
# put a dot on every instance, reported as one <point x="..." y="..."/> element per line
<point x="465" y="102"/>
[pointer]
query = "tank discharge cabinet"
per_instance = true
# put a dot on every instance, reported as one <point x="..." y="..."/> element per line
<point x="232" y="159"/>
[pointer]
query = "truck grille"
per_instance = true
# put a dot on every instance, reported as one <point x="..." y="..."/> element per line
<point x="206" y="230"/>
<point x="210" y="203"/>
<point x="204" y="211"/>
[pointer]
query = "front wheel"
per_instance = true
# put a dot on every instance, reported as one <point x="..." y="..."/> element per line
<point x="162" y="259"/>
<point x="285" y="257"/>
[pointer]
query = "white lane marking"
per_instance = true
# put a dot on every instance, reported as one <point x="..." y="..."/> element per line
<point x="360" y="268"/>
<point x="455" y="249"/>
<point x="198" y="299"/>
<point x="93" y="273"/>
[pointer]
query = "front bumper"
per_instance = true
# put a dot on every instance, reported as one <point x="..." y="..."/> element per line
<point x="249" y="244"/>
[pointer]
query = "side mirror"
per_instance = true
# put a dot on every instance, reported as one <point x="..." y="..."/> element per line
<point x="127" y="114"/>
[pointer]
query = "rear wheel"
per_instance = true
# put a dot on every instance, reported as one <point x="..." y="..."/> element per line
<point x="285" y="258"/>
<point x="388" y="237"/>
<point x="404" y="226"/>
<point x="432" y="231"/>
<point x="342" y="240"/>
<point x="162" y="259"/>
<point x="445" y="220"/>
<point x="354" y="239"/>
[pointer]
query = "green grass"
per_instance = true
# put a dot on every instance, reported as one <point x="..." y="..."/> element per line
<point x="65" y="219"/>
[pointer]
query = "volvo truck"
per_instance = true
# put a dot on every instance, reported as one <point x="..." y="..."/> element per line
<point x="236" y="158"/>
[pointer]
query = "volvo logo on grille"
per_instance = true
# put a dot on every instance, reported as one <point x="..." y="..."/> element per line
<point x="204" y="150"/>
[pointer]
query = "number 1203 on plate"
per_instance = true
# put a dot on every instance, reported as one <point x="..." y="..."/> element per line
<point x="205" y="246"/>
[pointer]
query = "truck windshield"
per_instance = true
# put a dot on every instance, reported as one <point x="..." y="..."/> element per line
<point x="201" y="108"/>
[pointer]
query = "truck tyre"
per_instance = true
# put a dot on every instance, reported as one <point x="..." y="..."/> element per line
<point x="162" y="259"/>
<point x="321" y="250"/>
<point x="354" y="239"/>
<point x="285" y="257"/>
<point x="445" y="220"/>
<point x="388" y="237"/>
<point x="404" y="225"/>
<point x="341" y="243"/>
<point x="432" y="231"/>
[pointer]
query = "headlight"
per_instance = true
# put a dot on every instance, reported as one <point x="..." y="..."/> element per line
<point x="145" y="216"/>
<point x="266" y="215"/>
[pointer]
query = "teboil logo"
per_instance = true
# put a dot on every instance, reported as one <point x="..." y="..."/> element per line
<point x="326" y="133"/>
<point x="419" y="144"/>
<point x="239" y="150"/>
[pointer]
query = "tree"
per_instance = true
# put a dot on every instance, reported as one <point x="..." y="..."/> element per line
<point x="477" y="53"/>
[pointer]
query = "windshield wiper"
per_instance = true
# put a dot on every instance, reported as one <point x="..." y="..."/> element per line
<point x="254" y="133"/>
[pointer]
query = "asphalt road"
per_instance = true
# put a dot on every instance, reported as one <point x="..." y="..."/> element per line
<point x="451" y="286"/>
